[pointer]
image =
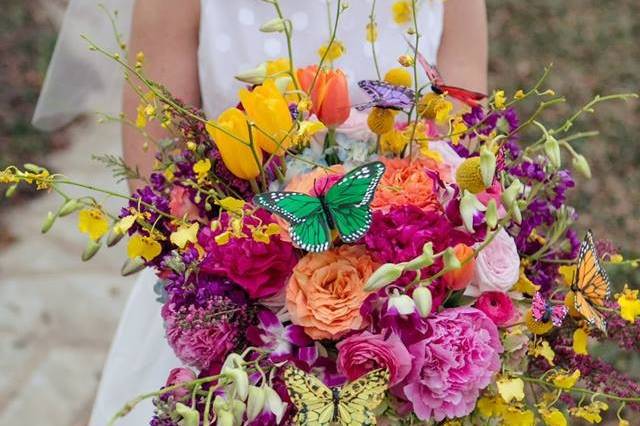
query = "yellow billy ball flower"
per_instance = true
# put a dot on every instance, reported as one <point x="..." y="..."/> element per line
<point x="398" y="77"/>
<point x="381" y="120"/>
<point x="469" y="176"/>
<point x="435" y="107"/>
<point x="536" y="327"/>
<point x="402" y="11"/>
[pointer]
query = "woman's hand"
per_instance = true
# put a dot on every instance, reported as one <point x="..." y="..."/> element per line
<point x="167" y="32"/>
<point x="463" y="54"/>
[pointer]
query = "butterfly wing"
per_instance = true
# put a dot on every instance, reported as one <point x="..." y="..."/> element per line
<point x="469" y="97"/>
<point x="558" y="313"/>
<point x="385" y="95"/>
<point x="360" y="398"/>
<point x="538" y="307"/>
<point x="309" y="228"/>
<point x="591" y="284"/>
<point x="312" y="398"/>
<point x="432" y="72"/>
<point x="349" y="199"/>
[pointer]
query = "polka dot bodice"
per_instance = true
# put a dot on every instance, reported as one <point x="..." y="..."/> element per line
<point x="230" y="41"/>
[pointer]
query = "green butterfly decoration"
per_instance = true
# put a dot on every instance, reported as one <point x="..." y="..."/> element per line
<point x="344" y="207"/>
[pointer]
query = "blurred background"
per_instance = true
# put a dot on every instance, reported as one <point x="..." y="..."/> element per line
<point x="57" y="315"/>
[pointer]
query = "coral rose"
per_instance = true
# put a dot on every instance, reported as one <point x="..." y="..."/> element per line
<point x="407" y="183"/>
<point x="326" y="291"/>
<point x="459" y="279"/>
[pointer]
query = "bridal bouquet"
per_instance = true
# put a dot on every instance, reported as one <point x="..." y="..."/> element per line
<point x="404" y="261"/>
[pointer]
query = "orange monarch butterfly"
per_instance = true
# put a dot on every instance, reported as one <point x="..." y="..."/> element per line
<point x="590" y="285"/>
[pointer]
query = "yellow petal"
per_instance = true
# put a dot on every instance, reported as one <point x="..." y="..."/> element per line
<point x="125" y="224"/>
<point x="525" y="285"/>
<point x="145" y="247"/>
<point x="273" y="229"/>
<point x="185" y="234"/>
<point x="259" y="236"/>
<point x="567" y="272"/>
<point x="544" y="350"/>
<point x="93" y="222"/>
<point x="201" y="168"/>
<point x="553" y="417"/>
<point x="564" y="381"/>
<point x="511" y="389"/>
<point x="232" y="205"/>
<point x="222" y="239"/>
<point x="580" y="340"/>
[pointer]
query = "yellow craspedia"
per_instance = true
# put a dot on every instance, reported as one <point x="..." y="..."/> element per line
<point x="536" y="327"/>
<point x="469" y="177"/>
<point x="334" y="51"/>
<point x="398" y="77"/>
<point x="435" y="107"/>
<point x="381" y="120"/>
<point x="402" y="11"/>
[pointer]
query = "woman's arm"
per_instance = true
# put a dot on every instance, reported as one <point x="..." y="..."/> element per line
<point x="167" y="32"/>
<point x="463" y="54"/>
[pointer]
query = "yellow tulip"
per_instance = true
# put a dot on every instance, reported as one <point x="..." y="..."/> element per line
<point x="242" y="160"/>
<point x="268" y="109"/>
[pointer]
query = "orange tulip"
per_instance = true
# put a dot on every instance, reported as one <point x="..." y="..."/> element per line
<point x="460" y="278"/>
<point x="241" y="159"/>
<point x="330" y="95"/>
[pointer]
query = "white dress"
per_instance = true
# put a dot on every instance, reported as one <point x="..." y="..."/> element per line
<point x="140" y="359"/>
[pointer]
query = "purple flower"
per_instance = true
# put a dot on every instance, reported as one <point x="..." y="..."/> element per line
<point x="457" y="359"/>
<point x="282" y="342"/>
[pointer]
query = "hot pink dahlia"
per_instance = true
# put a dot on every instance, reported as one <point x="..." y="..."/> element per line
<point x="457" y="359"/>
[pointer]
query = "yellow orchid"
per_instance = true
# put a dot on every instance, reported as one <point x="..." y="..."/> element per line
<point x="457" y="129"/>
<point x="580" y="341"/>
<point x="566" y="381"/>
<point x="553" y="417"/>
<point x="566" y="273"/>
<point x="306" y="130"/>
<point x="232" y="205"/>
<point x="499" y="99"/>
<point x="517" y="416"/>
<point x="511" y="389"/>
<point x="201" y="168"/>
<point x="435" y="107"/>
<point x="185" y="234"/>
<point x="525" y="285"/>
<point x="143" y="246"/>
<point x="544" y="350"/>
<point x="241" y="159"/>
<point x="590" y="412"/>
<point x="629" y="304"/>
<point x="93" y="222"/>
<point x="269" y="110"/>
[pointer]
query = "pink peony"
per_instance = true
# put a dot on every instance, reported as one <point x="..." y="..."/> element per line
<point x="364" y="352"/>
<point x="178" y="376"/>
<point x="180" y="205"/>
<point x="261" y="269"/>
<point x="498" y="306"/>
<point x="456" y="360"/>
<point x="497" y="266"/>
<point x="202" y="335"/>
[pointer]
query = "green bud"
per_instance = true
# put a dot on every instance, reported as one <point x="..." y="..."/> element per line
<point x="237" y="409"/>
<point x="422" y="261"/>
<point x="11" y="191"/>
<point x="276" y="25"/>
<point x="581" y="165"/>
<point x="48" y="222"/>
<point x="492" y="214"/>
<point x="402" y="303"/>
<point x="552" y="150"/>
<point x="255" y="402"/>
<point x="516" y="214"/>
<point x="384" y="275"/>
<point x="423" y="300"/>
<point x="451" y="261"/>
<point x="511" y="194"/>
<point x="114" y="237"/>
<point x="33" y="168"/>
<point x="487" y="166"/>
<point x="69" y="207"/>
<point x="132" y="266"/>
<point x="91" y="249"/>
<point x="190" y="416"/>
<point x="255" y="75"/>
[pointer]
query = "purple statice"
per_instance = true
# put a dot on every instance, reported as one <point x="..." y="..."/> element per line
<point x="507" y="121"/>
<point x="625" y="334"/>
<point x="202" y="335"/>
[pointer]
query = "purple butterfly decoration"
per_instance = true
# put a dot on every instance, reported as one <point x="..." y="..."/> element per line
<point x="385" y="95"/>
<point x="543" y="311"/>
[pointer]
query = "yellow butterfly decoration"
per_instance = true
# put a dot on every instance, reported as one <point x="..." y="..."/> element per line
<point x="590" y="285"/>
<point x="351" y="405"/>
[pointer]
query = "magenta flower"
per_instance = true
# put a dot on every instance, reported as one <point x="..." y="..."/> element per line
<point x="457" y="359"/>
<point x="261" y="269"/>
<point x="365" y="352"/>
<point x="498" y="306"/>
<point x="178" y="376"/>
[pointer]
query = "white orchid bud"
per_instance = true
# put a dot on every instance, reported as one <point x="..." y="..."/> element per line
<point x="190" y="417"/>
<point x="91" y="249"/>
<point x="274" y="404"/>
<point x="510" y="195"/>
<point x="255" y="402"/>
<point x="469" y="206"/>
<point x="581" y="165"/>
<point x="423" y="300"/>
<point x="487" y="166"/>
<point x="384" y="275"/>
<point x="253" y="76"/>
<point x="276" y="25"/>
<point x="552" y="150"/>
<point x="240" y="381"/>
<point x="282" y="83"/>
<point x="402" y="303"/>
<point x="491" y="214"/>
<point x="48" y="222"/>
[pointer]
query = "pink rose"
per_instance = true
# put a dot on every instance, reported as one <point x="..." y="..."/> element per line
<point x="356" y="126"/>
<point x="497" y="266"/>
<point x="178" y="376"/>
<point x="498" y="306"/>
<point x="180" y="204"/>
<point x="365" y="352"/>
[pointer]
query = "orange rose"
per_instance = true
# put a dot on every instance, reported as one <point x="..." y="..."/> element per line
<point x="330" y="96"/>
<point x="326" y="291"/>
<point x="305" y="183"/>
<point x="407" y="183"/>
